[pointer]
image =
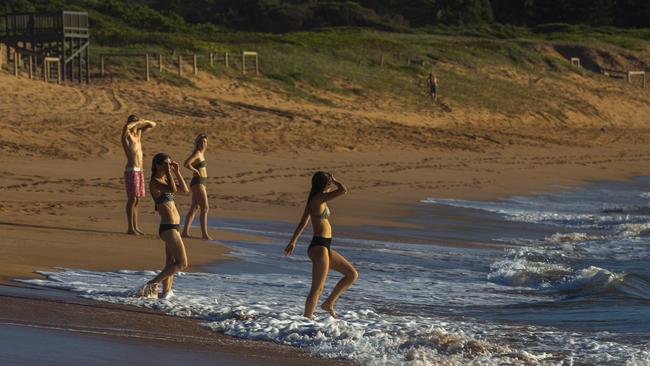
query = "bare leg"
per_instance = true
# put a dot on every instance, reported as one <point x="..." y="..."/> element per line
<point x="188" y="220"/>
<point x="130" y="204"/>
<point x="194" y="207"/>
<point x="320" y="267"/>
<point x="205" y="208"/>
<point x="350" y="274"/>
<point x="136" y="226"/>
<point x="174" y="243"/>
<point x="169" y="260"/>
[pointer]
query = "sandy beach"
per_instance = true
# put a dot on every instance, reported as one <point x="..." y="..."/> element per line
<point x="62" y="196"/>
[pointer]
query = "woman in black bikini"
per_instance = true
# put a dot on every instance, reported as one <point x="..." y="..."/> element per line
<point x="322" y="256"/>
<point x="163" y="187"/>
<point x="196" y="163"/>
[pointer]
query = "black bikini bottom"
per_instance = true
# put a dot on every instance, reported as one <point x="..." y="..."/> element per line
<point x="165" y="227"/>
<point x="198" y="180"/>
<point x="320" y="241"/>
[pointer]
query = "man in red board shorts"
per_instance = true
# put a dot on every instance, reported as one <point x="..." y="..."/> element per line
<point x="133" y="172"/>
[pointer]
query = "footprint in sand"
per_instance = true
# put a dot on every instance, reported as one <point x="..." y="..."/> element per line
<point x="116" y="104"/>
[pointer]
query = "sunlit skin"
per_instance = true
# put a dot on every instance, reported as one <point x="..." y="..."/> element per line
<point x="175" y="255"/>
<point x="432" y="80"/>
<point x="321" y="259"/>
<point x="131" y="142"/>
<point x="199" y="192"/>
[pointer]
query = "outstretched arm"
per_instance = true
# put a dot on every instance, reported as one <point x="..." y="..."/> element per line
<point x="304" y="220"/>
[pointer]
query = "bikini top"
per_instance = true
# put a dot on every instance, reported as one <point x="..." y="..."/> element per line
<point x="324" y="215"/>
<point x="164" y="197"/>
<point x="199" y="164"/>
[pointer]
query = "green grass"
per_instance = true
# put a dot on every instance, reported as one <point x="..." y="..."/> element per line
<point x="633" y="39"/>
<point x="311" y="65"/>
<point x="346" y="60"/>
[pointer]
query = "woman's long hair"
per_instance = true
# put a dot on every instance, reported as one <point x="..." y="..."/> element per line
<point x="157" y="160"/>
<point x="200" y="137"/>
<point x="319" y="182"/>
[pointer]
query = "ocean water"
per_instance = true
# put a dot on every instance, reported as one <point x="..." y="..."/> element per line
<point x="556" y="278"/>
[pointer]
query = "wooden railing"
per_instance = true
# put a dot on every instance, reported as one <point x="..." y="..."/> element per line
<point x="68" y="22"/>
<point x="75" y="23"/>
<point x="179" y="62"/>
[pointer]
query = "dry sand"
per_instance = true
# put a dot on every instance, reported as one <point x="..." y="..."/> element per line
<point x="62" y="197"/>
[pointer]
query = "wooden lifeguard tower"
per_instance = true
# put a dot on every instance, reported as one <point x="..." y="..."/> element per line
<point x="36" y="36"/>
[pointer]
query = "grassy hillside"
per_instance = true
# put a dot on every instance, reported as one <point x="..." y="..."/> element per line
<point x="476" y="67"/>
<point x="503" y="69"/>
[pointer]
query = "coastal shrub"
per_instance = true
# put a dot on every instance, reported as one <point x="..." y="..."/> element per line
<point x="552" y="28"/>
<point x="289" y="15"/>
<point x="347" y="13"/>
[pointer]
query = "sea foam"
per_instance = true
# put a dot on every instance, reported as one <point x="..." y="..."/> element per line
<point x="268" y="307"/>
<point x="361" y="334"/>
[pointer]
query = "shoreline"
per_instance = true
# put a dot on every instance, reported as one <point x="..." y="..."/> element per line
<point x="233" y="269"/>
<point x="139" y="338"/>
<point x="62" y="196"/>
<point x="114" y="250"/>
<point x="99" y="331"/>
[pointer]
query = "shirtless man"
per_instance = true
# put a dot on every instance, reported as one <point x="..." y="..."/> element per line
<point x="133" y="172"/>
<point x="432" y="80"/>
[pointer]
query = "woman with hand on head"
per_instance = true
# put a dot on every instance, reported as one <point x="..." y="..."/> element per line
<point x="163" y="186"/>
<point x="324" y="188"/>
<point x="196" y="163"/>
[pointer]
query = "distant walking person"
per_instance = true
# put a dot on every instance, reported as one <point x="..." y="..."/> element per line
<point x="196" y="163"/>
<point x="163" y="186"/>
<point x="432" y="80"/>
<point x="324" y="188"/>
<point x="133" y="172"/>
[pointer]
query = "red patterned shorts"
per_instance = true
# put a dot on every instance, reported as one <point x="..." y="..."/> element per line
<point x="134" y="182"/>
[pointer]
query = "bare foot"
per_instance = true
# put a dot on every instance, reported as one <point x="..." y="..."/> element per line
<point x="139" y="232"/>
<point x="166" y="295"/>
<point x="131" y="232"/>
<point x="207" y="237"/>
<point x="185" y="234"/>
<point x="148" y="290"/>
<point x="154" y="290"/>
<point x="330" y="309"/>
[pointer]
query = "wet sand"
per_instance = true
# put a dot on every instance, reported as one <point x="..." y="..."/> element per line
<point x="31" y="247"/>
<point x="71" y="331"/>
